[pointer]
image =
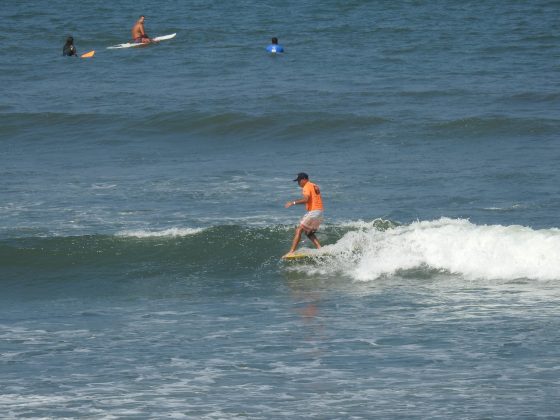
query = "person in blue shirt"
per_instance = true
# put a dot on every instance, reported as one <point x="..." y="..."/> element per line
<point x="275" y="47"/>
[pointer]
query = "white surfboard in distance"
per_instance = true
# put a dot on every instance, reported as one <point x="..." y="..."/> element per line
<point x="142" y="44"/>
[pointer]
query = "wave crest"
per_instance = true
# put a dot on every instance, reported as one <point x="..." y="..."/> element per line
<point x="172" y="232"/>
<point x="450" y="245"/>
<point x="362" y="251"/>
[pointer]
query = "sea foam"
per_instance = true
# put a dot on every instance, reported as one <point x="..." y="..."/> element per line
<point x="172" y="232"/>
<point x="449" y="245"/>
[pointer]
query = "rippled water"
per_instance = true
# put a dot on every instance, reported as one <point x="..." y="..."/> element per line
<point x="142" y="219"/>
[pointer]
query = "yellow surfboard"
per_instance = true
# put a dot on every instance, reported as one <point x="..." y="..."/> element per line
<point x="296" y="256"/>
<point x="88" y="54"/>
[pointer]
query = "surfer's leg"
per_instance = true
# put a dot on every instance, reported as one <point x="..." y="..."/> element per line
<point x="313" y="238"/>
<point x="297" y="238"/>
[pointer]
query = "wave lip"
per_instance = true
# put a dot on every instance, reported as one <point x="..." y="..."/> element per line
<point x="492" y="252"/>
<point x="171" y="232"/>
<point x="361" y="251"/>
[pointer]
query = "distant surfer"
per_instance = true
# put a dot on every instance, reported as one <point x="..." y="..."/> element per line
<point x="275" y="47"/>
<point x="69" y="49"/>
<point x="138" y="33"/>
<point x="314" y="206"/>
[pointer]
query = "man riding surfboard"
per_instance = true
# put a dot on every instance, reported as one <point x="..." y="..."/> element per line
<point x="314" y="216"/>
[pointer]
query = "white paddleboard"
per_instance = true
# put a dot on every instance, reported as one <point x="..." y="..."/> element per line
<point x="142" y="44"/>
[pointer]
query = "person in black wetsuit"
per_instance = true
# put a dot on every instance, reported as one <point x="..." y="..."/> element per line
<point x="69" y="49"/>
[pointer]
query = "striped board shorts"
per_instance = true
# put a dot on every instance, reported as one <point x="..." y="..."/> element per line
<point x="311" y="221"/>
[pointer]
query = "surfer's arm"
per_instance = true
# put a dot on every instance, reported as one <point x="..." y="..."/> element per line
<point x="303" y="200"/>
<point x="144" y="34"/>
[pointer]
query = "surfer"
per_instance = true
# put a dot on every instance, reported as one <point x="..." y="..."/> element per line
<point x="314" y="206"/>
<point x="275" y="47"/>
<point x="69" y="49"/>
<point x="138" y="33"/>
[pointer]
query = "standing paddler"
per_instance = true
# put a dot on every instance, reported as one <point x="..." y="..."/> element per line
<point x="311" y="221"/>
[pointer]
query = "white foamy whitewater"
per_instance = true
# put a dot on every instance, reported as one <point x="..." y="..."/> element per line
<point x="171" y="232"/>
<point x="454" y="246"/>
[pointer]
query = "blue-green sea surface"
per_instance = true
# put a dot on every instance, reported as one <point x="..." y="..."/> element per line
<point x="142" y="213"/>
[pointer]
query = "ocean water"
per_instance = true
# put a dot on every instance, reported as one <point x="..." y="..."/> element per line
<point x="142" y="218"/>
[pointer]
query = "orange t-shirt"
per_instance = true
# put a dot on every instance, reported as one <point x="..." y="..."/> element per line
<point x="313" y="194"/>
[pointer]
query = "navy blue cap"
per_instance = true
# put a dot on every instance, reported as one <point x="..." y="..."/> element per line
<point x="300" y="176"/>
